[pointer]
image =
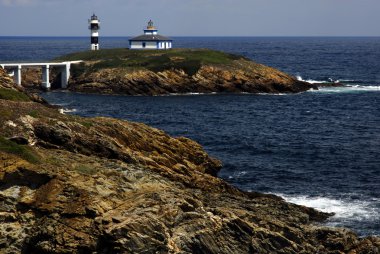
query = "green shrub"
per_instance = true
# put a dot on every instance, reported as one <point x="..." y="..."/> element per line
<point x="22" y="151"/>
<point x="33" y="113"/>
<point x="12" y="95"/>
<point x="85" y="169"/>
<point x="87" y="124"/>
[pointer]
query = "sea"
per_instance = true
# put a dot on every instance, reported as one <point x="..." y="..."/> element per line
<point x="318" y="148"/>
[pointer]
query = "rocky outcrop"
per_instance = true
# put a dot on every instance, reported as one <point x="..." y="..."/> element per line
<point x="6" y="81"/>
<point x="99" y="185"/>
<point x="208" y="79"/>
<point x="10" y="91"/>
<point x="122" y="71"/>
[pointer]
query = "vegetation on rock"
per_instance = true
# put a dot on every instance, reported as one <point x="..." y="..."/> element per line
<point x="154" y="60"/>
<point x="22" y="151"/>
<point x="13" y="95"/>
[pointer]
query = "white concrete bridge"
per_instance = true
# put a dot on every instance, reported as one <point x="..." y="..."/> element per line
<point x="63" y="67"/>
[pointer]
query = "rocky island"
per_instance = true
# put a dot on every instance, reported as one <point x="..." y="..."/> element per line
<point x="98" y="185"/>
<point x="176" y="71"/>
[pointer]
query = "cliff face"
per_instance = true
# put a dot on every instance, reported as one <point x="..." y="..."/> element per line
<point x="6" y="81"/>
<point x="83" y="185"/>
<point x="129" y="72"/>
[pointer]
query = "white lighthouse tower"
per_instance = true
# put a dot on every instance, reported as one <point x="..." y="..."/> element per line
<point x="94" y="27"/>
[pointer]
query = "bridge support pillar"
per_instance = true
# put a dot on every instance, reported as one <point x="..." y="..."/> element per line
<point x="17" y="75"/>
<point x="65" y="75"/>
<point x="45" y="77"/>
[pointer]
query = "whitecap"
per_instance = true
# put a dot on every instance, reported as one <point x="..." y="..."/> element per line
<point x="344" y="209"/>
<point x="274" y="94"/>
<point x="238" y="174"/>
<point x="66" y="110"/>
<point x="182" y="94"/>
<point x="311" y="81"/>
<point x="347" y="80"/>
<point x="348" y="89"/>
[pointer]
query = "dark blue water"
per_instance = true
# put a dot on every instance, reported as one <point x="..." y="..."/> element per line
<point x="320" y="149"/>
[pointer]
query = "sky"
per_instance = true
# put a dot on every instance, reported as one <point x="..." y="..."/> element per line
<point x="192" y="17"/>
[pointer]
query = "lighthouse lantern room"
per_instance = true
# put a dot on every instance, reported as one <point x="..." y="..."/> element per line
<point x="94" y="27"/>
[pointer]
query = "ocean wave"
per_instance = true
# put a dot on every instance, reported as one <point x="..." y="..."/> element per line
<point x="377" y="88"/>
<point x="238" y="174"/>
<point x="64" y="104"/>
<point x="329" y="80"/>
<point x="311" y="81"/>
<point x="348" y="81"/>
<point x="183" y="94"/>
<point x="343" y="208"/>
<point x="348" y="89"/>
<point x="67" y="111"/>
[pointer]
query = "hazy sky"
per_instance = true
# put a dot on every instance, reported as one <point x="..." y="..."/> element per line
<point x="192" y="17"/>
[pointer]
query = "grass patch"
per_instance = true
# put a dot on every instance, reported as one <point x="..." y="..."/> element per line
<point x="33" y="113"/>
<point x="12" y="95"/>
<point x="87" y="124"/>
<point x="22" y="151"/>
<point x="189" y="60"/>
<point x="77" y="69"/>
<point x="6" y="113"/>
<point x="85" y="169"/>
<point x="54" y="161"/>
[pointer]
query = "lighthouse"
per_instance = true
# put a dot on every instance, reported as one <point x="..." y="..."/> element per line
<point x="94" y="27"/>
<point x="150" y="39"/>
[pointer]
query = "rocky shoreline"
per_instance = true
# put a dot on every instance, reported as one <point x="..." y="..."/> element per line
<point x="177" y="71"/>
<point x="106" y="73"/>
<point x="99" y="185"/>
<point x="208" y="79"/>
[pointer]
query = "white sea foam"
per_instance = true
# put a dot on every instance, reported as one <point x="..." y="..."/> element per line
<point x="347" y="89"/>
<point x="329" y="80"/>
<point x="367" y="88"/>
<point x="344" y="209"/>
<point x="340" y="89"/>
<point x="345" y="80"/>
<point x="311" y="81"/>
<point x="66" y="110"/>
<point x="238" y="174"/>
<point x="63" y="104"/>
<point x="184" y="94"/>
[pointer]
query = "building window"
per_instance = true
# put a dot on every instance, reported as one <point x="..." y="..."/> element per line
<point x="144" y="45"/>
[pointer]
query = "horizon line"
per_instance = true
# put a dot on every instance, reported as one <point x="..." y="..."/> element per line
<point x="198" y="36"/>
